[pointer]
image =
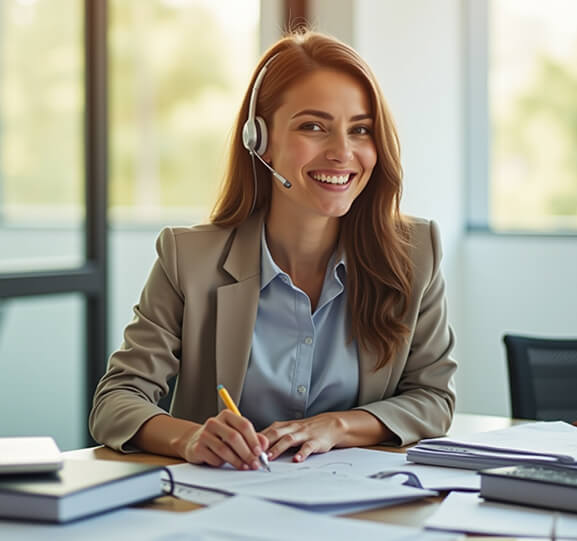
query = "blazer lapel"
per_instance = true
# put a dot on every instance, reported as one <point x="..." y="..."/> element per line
<point x="237" y="305"/>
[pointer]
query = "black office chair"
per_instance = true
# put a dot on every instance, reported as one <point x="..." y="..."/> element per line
<point x="542" y="377"/>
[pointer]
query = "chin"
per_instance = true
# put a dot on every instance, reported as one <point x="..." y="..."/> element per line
<point x="335" y="212"/>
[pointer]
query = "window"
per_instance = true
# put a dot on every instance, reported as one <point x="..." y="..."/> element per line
<point x="178" y="70"/>
<point x="530" y="176"/>
<point x="41" y="135"/>
<point x="52" y="227"/>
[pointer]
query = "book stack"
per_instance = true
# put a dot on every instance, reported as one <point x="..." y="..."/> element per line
<point x="80" y="488"/>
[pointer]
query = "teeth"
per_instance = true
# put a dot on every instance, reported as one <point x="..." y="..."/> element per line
<point x="331" y="179"/>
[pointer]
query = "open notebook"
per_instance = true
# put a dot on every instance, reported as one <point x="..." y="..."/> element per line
<point x="29" y="455"/>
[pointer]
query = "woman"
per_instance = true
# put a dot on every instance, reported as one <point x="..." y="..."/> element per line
<point x="309" y="296"/>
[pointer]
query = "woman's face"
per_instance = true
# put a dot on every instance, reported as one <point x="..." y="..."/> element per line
<point x="321" y="140"/>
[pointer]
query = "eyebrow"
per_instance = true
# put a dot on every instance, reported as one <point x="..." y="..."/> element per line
<point x="328" y="116"/>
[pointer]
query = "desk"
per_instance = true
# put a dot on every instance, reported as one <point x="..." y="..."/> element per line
<point x="410" y="514"/>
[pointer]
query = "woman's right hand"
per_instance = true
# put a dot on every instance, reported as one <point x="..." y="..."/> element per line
<point x="224" y="438"/>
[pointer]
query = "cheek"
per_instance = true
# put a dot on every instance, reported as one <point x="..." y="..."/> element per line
<point x="368" y="158"/>
<point x="297" y="152"/>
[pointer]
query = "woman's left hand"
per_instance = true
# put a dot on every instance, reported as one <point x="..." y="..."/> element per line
<point x="317" y="434"/>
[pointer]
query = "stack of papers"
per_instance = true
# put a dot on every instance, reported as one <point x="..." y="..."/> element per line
<point x="313" y="489"/>
<point x="553" y="443"/>
<point x="207" y="485"/>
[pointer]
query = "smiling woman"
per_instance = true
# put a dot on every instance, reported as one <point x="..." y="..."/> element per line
<point x="313" y="300"/>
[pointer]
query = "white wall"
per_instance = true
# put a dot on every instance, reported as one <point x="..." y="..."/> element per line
<point x="496" y="284"/>
<point x="414" y="48"/>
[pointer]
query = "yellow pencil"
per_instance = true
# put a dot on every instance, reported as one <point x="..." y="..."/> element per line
<point x="229" y="403"/>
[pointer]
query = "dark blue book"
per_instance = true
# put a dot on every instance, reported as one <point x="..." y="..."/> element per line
<point x="551" y="487"/>
<point x="79" y="489"/>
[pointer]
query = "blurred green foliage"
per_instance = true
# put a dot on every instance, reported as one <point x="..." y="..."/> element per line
<point x="176" y="78"/>
<point x="535" y="151"/>
<point x="41" y="103"/>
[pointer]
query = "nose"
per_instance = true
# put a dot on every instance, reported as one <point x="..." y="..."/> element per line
<point x="339" y="148"/>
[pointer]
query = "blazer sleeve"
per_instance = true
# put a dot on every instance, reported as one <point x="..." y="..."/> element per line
<point x="137" y="374"/>
<point x="424" y="401"/>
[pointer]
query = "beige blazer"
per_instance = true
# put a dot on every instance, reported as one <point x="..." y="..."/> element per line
<point x="195" y="318"/>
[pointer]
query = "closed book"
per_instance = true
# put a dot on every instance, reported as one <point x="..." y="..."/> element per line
<point x="540" y="486"/>
<point x="80" y="488"/>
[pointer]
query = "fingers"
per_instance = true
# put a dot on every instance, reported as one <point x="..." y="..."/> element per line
<point x="283" y="437"/>
<point x="307" y="448"/>
<point x="263" y="441"/>
<point x="313" y="435"/>
<point x="227" y="438"/>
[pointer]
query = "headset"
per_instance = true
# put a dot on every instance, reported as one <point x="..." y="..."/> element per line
<point x="255" y="132"/>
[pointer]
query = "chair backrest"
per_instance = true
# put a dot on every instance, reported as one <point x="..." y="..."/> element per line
<point x="542" y="377"/>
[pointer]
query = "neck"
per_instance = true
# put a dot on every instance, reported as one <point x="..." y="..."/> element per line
<point x="301" y="247"/>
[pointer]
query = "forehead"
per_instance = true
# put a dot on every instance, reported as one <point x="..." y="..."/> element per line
<point x="330" y="90"/>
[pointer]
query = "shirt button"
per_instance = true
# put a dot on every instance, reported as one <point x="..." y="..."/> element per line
<point x="308" y="340"/>
<point x="301" y="389"/>
<point x="284" y="279"/>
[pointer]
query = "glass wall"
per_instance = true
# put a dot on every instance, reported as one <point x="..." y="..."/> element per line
<point x="41" y="135"/>
<point x="178" y="71"/>
<point x="533" y="115"/>
<point x="42" y="366"/>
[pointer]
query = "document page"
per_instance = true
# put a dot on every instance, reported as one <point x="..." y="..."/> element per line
<point x="461" y="512"/>
<point x="329" y="483"/>
<point x="264" y="520"/>
<point x="236" y="519"/>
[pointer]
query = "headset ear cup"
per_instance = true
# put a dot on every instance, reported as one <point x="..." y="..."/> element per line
<point x="261" y="136"/>
<point x="249" y="135"/>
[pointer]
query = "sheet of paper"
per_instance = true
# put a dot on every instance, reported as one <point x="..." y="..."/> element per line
<point x="366" y="462"/>
<point x="265" y="520"/>
<point x="325" y="487"/>
<point x="462" y="512"/>
<point x="236" y="519"/>
<point x="354" y="461"/>
<point x="301" y="485"/>
<point x="126" y="524"/>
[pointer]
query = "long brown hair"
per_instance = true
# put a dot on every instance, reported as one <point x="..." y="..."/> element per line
<point x="374" y="234"/>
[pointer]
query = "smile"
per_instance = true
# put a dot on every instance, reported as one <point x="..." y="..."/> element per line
<point x="332" y="179"/>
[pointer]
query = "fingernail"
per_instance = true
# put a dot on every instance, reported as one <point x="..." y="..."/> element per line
<point x="257" y="450"/>
<point x="298" y="458"/>
<point x="245" y="467"/>
<point x="255" y="465"/>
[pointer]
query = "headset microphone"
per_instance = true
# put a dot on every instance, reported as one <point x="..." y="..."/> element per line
<point x="255" y="133"/>
<point x="275" y="173"/>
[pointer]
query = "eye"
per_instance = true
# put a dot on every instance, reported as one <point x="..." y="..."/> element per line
<point x="310" y="126"/>
<point x="361" y="130"/>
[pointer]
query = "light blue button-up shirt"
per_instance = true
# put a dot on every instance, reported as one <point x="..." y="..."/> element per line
<point x="301" y="363"/>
